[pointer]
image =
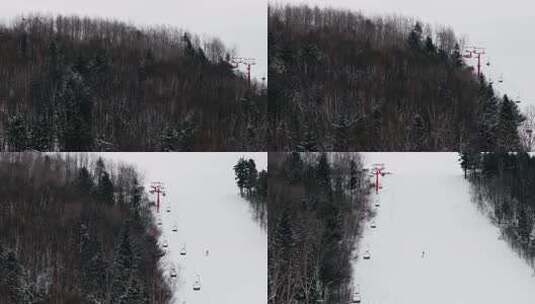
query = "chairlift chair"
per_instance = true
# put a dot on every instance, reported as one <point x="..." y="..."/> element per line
<point x="373" y="225"/>
<point x="173" y="272"/>
<point x="366" y="255"/>
<point x="356" y="298"/>
<point x="175" y="228"/>
<point x="168" y="209"/>
<point x="197" y="284"/>
<point x="183" y="250"/>
<point x="164" y="244"/>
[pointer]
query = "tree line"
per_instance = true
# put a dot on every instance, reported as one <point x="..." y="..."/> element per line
<point x="317" y="203"/>
<point x="504" y="187"/>
<point x="76" y="230"/>
<point x="80" y="84"/>
<point x="341" y="81"/>
<point x="253" y="186"/>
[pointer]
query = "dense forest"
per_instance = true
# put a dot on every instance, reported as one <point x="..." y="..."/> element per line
<point x="81" y="84"/>
<point x="317" y="203"/>
<point x="74" y="229"/>
<point x="340" y="81"/>
<point x="504" y="188"/>
<point x="253" y="187"/>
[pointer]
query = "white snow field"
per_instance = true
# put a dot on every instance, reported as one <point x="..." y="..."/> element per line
<point x="210" y="215"/>
<point x="431" y="244"/>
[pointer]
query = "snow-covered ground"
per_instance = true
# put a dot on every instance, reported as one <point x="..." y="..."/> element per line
<point x="210" y="216"/>
<point x="431" y="244"/>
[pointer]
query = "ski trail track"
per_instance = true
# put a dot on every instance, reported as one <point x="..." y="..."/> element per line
<point x="425" y="206"/>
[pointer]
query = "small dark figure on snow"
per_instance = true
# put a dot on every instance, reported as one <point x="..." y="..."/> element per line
<point x="423" y="254"/>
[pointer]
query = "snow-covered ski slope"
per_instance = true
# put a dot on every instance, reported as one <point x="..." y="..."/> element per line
<point x="431" y="244"/>
<point x="210" y="215"/>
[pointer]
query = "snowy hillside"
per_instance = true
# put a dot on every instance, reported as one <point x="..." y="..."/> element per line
<point x="431" y="244"/>
<point x="224" y="247"/>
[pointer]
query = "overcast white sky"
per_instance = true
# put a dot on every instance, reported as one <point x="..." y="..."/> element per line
<point x="239" y="23"/>
<point x="504" y="28"/>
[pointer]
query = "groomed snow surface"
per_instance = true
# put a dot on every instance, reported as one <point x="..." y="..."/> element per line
<point x="431" y="244"/>
<point x="224" y="246"/>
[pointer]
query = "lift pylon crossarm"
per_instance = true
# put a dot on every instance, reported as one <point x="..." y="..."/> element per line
<point x="378" y="170"/>
<point x="475" y="52"/>
<point x="157" y="188"/>
<point x="248" y="62"/>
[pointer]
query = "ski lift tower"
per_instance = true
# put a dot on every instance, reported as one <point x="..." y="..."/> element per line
<point x="378" y="170"/>
<point x="157" y="188"/>
<point x="248" y="62"/>
<point x="475" y="52"/>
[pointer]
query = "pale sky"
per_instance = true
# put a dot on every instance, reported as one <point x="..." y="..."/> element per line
<point x="504" y="28"/>
<point x="238" y="23"/>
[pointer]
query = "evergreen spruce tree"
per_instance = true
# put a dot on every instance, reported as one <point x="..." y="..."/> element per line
<point x="93" y="268"/>
<point x="283" y="239"/>
<point x="179" y="138"/>
<point x="252" y="175"/>
<point x="240" y="171"/>
<point x="415" y="37"/>
<point x="186" y="134"/>
<point x="75" y="109"/>
<point x="12" y="279"/>
<point x="105" y="189"/>
<point x="17" y="133"/>
<point x="429" y="46"/>
<point x="353" y="177"/>
<point x="123" y="263"/>
<point x="342" y="133"/>
<point x="100" y="168"/>
<point x="134" y="294"/>
<point x="418" y="134"/>
<point x="55" y="61"/>
<point x="169" y="139"/>
<point x="309" y="143"/>
<point x="509" y="119"/>
<point x="137" y="196"/>
<point x="294" y="167"/>
<point x="84" y="182"/>
<point x="41" y="134"/>
<point x="323" y="172"/>
<point x="457" y="57"/>
<point x="487" y="119"/>
<point x="469" y="160"/>
<point x="262" y="185"/>
<point x="189" y="49"/>
<point x="524" y="228"/>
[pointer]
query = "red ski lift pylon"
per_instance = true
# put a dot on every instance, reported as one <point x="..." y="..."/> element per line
<point x="157" y="188"/>
<point x="378" y="170"/>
